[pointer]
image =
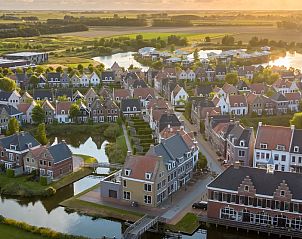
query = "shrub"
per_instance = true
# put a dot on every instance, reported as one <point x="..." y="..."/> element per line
<point x="10" y="173"/>
<point x="43" y="181"/>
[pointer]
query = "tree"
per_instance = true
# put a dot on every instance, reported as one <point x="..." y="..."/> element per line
<point x="196" y="55"/>
<point x="80" y="68"/>
<point x="207" y="39"/>
<point x="13" y="126"/>
<point x="41" y="134"/>
<point x="297" y="120"/>
<point x="74" y="112"/>
<point x="172" y="48"/>
<point x="38" y="114"/>
<point x="59" y="69"/>
<point x="202" y="161"/>
<point x="188" y="109"/>
<point x="111" y="132"/>
<point x="228" y="40"/>
<point x="7" y="84"/>
<point x="231" y="78"/>
<point x="63" y="98"/>
<point x="34" y="80"/>
<point x="157" y="65"/>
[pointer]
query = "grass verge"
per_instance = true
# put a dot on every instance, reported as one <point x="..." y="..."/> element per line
<point x="87" y="158"/>
<point x="97" y="210"/>
<point x="23" y="187"/>
<point x="188" y="224"/>
<point x="73" y="177"/>
<point x="278" y="120"/>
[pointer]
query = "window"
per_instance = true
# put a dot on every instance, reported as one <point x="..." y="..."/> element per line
<point x="276" y="157"/>
<point x="263" y="146"/>
<point x="148" y="199"/>
<point x="241" y="153"/>
<point x="293" y="159"/>
<point x="127" y="172"/>
<point x="127" y="195"/>
<point x="283" y="157"/>
<point x="148" y="176"/>
<point x="228" y="213"/>
<point x="148" y="187"/>
<point x="49" y="164"/>
<point x="2" y="153"/>
<point x="246" y="188"/>
<point x="296" y="149"/>
<point x="242" y="143"/>
<point x="280" y="147"/>
<point x="125" y="183"/>
<point x="282" y="193"/>
<point x="27" y="159"/>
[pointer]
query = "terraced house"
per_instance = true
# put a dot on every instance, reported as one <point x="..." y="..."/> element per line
<point x="256" y="198"/>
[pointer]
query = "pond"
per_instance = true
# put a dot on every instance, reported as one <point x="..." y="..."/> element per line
<point x="291" y="59"/>
<point x="123" y="59"/>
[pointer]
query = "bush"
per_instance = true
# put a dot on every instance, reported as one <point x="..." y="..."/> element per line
<point x="10" y="173"/>
<point x="43" y="181"/>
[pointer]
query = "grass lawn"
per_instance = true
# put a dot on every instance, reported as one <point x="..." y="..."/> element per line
<point x="73" y="177"/>
<point x="12" y="232"/>
<point x="121" y="143"/>
<point x="188" y="224"/>
<point x="97" y="210"/>
<point x="20" y="186"/>
<point x="87" y="158"/>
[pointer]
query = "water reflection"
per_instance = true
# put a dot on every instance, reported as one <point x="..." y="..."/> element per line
<point x="123" y="59"/>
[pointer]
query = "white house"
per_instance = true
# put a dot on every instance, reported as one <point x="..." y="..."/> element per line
<point x="179" y="96"/>
<point x="10" y="98"/>
<point x="272" y="147"/>
<point x="182" y="75"/>
<point x="75" y="81"/>
<point x="84" y="80"/>
<point x="95" y="79"/>
<point x="62" y="112"/>
<point x="296" y="152"/>
<point x="222" y="104"/>
<point x="237" y="104"/>
<point x="190" y="75"/>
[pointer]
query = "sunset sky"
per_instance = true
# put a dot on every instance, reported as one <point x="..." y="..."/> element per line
<point x="151" y="4"/>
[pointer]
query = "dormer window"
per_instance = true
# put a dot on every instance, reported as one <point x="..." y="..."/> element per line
<point x="280" y="147"/>
<point x="173" y="165"/>
<point x="128" y="108"/>
<point x="13" y="147"/>
<point x="148" y="176"/>
<point x="263" y="146"/>
<point x="242" y="143"/>
<point x="296" y="149"/>
<point x="29" y="145"/>
<point x="134" y="108"/>
<point x="169" y="166"/>
<point x="127" y="172"/>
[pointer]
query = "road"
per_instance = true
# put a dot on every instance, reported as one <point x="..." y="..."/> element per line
<point x="127" y="138"/>
<point x="204" y="147"/>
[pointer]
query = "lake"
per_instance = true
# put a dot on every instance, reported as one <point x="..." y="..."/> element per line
<point x="123" y="59"/>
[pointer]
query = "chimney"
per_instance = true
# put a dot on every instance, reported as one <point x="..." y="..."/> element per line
<point x="237" y="165"/>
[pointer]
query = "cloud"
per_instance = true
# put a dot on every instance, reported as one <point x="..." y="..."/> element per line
<point x="150" y="4"/>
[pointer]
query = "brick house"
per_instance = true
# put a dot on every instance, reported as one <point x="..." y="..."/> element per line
<point x="54" y="161"/>
<point x="252" y="196"/>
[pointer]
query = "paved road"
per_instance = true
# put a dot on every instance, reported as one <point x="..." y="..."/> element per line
<point x="204" y="147"/>
<point x="127" y="138"/>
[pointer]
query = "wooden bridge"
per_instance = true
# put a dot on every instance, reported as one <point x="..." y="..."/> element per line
<point x="138" y="228"/>
<point x="102" y="165"/>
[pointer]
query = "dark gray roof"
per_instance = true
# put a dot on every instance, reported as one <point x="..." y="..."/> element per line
<point x="239" y="133"/>
<point x="130" y="103"/>
<point x="20" y="140"/>
<point x="278" y="97"/>
<point x="107" y="74"/>
<point x="172" y="148"/>
<point x="215" y="120"/>
<point x="168" y="119"/>
<point x="265" y="183"/>
<point x="10" y="109"/>
<point x="204" y="90"/>
<point x="241" y="84"/>
<point x="60" y="152"/>
<point x="139" y="84"/>
<point x="297" y="141"/>
<point x="53" y="76"/>
<point x="4" y="95"/>
<point x="220" y="69"/>
<point x="42" y="94"/>
<point x="203" y="102"/>
<point x="62" y="92"/>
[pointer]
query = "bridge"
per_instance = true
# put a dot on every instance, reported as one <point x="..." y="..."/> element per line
<point x="102" y="165"/>
<point x="138" y="228"/>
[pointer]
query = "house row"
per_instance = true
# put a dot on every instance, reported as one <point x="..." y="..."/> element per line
<point x="24" y="154"/>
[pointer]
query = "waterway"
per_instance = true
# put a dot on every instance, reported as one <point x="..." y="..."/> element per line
<point x="291" y="59"/>
<point x="48" y="213"/>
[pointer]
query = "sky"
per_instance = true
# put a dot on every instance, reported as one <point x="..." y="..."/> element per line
<point x="151" y="4"/>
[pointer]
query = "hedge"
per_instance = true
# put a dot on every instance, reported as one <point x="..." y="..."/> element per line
<point x="10" y="173"/>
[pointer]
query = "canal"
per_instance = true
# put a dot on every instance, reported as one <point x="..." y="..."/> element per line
<point x="48" y="213"/>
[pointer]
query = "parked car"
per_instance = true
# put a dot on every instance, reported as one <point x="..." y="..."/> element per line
<point x="200" y="205"/>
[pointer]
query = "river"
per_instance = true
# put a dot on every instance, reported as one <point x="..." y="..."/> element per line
<point x="291" y="59"/>
<point x="48" y="213"/>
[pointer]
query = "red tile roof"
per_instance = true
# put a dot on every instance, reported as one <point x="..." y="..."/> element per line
<point x="188" y="137"/>
<point x="143" y="92"/>
<point x="63" y="106"/>
<point x="140" y="165"/>
<point x="293" y="96"/>
<point x="273" y="136"/>
<point x="23" y="107"/>
<point x="121" y="93"/>
<point x="237" y="99"/>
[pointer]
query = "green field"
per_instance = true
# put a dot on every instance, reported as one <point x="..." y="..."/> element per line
<point x="11" y="232"/>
